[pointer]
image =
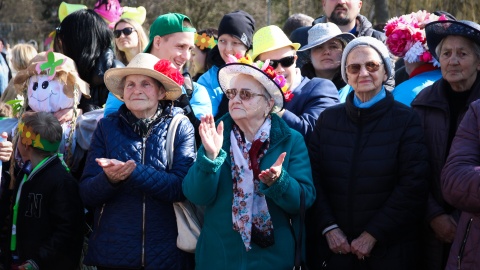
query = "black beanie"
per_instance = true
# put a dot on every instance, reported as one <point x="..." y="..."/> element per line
<point x="239" y="24"/>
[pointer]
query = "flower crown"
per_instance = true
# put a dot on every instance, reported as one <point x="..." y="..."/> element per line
<point x="165" y="67"/>
<point x="30" y="138"/>
<point x="205" y="41"/>
<point x="267" y="69"/>
<point x="406" y="36"/>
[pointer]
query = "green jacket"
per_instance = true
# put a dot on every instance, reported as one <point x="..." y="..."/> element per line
<point x="209" y="183"/>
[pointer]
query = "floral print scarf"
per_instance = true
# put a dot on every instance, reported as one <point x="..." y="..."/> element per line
<point x="250" y="214"/>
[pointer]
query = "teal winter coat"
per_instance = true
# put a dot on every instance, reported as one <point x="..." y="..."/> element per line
<point x="209" y="183"/>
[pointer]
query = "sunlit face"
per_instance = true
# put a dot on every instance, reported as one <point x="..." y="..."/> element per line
<point x="176" y="48"/>
<point x="365" y="83"/>
<point x="46" y="95"/>
<point x="228" y="44"/>
<point x="253" y="109"/>
<point x="197" y="61"/>
<point x="126" y="42"/>
<point x="327" y="56"/>
<point x="288" y="72"/>
<point x="458" y="61"/>
<point x="141" y="95"/>
<point x="341" y="12"/>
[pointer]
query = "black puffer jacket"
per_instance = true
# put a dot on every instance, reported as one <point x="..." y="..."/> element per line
<point x="369" y="168"/>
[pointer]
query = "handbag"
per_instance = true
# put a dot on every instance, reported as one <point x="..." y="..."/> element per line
<point x="189" y="216"/>
<point x="299" y="264"/>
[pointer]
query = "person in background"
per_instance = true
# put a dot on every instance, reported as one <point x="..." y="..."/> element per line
<point x="21" y="56"/>
<point x="4" y="50"/>
<point x="86" y="39"/>
<point x="127" y="179"/>
<point x="250" y="170"/>
<point x="306" y="98"/>
<point x="459" y="181"/>
<point x="296" y="21"/>
<point x="441" y="107"/>
<point x="48" y="215"/>
<point x="370" y="165"/>
<point x="325" y="46"/>
<point x="421" y="67"/>
<point x="205" y="41"/>
<point x="130" y="39"/>
<point x="235" y="33"/>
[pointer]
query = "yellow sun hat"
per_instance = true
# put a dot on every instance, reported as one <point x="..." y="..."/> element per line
<point x="270" y="38"/>
<point x="65" y="9"/>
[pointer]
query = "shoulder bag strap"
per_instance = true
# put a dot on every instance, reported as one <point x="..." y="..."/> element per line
<point x="172" y="129"/>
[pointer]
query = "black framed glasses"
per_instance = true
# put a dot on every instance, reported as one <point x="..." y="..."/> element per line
<point x="370" y="66"/>
<point x="285" y="61"/>
<point x="245" y="94"/>
<point x="126" y="31"/>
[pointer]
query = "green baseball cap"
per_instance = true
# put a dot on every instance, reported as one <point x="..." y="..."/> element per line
<point x="168" y="24"/>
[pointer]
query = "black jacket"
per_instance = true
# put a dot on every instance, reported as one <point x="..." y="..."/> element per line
<point x="50" y="223"/>
<point x="369" y="167"/>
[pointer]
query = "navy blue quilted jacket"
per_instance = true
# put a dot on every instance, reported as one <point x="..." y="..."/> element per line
<point x="139" y="210"/>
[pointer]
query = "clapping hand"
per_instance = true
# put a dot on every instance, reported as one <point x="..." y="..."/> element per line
<point x="212" y="138"/>
<point x="271" y="175"/>
<point x="116" y="170"/>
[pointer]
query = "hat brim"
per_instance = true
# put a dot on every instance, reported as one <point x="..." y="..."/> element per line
<point x="346" y="37"/>
<point x="227" y="72"/>
<point x="114" y="80"/>
<point x="438" y="30"/>
<point x="295" y="46"/>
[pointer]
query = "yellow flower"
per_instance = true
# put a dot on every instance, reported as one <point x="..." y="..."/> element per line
<point x="246" y="60"/>
<point x="202" y="41"/>
<point x="38" y="143"/>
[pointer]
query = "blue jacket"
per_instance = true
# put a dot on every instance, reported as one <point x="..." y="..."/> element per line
<point x="209" y="79"/>
<point x="310" y="98"/>
<point x="409" y="89"/>
<point x="143" y="200"/>
<point x="210" y="183"/>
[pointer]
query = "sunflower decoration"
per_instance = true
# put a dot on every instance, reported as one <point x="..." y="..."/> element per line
<point x="204" y="41"/>
<point x="26" y="134"/>
<point x="29" y="137"/>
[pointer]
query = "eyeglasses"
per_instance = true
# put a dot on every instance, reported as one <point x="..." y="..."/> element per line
<point x="285" y="61"/>
<point x="126" y="31"/>
<point x="370" y="66"/>
<point x="245" y="94"/>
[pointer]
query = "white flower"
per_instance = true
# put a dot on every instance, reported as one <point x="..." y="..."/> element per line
<point x="415" y="51"/>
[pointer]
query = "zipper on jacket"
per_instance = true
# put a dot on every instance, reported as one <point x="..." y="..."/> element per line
<point x="144" y="140"/>
<point x="98" y="222"/>
<point x="464" y="243"/>
<point x="352" y="180"/>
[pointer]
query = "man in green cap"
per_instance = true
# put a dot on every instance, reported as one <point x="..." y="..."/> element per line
<point x="172" y="38"/>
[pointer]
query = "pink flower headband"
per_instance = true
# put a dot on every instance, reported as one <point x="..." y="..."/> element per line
<point x="406" y="36"/>
<point x="267" y="69"/>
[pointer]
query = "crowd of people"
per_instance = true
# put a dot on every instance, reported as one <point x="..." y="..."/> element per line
<point x="365" y="140"/>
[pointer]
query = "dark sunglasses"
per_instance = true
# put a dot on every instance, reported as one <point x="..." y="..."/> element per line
<point x="126" y="31"/>
<point x="370" y="66"/>
<point x="285" y="61"/>
<point x="245" y="94"/>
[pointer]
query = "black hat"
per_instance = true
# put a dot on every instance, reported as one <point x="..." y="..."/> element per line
<point x="239" y="24"/>
<point x="438" y="30"/>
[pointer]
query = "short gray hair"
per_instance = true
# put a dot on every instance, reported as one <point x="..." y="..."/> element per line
<point x="476" y="47"/>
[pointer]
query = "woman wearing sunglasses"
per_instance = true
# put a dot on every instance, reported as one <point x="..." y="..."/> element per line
<point x="249" y="173"/>
<point x="369" y="168"/>
<point x="130" y="39"/>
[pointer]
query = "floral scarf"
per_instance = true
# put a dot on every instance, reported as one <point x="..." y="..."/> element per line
<point x="250" y="214"/>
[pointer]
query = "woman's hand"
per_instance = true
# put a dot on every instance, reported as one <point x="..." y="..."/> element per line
<point x="65" y="115"/>
<point x="362" y="246"/>
<point x="444" y="227"/>
<point x="212" y="138"/>
<point x="6" y="148"/>
<point x="271" y="175"/>
<point x="116" y="170"/>
<point x="337" y="241"/>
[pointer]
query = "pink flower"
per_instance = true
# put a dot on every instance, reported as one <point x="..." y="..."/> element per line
<point x="400" y="40"/>
<point x="280" y="80"/>
<point x="426" y="57"/>
<point x="165" y="67"/>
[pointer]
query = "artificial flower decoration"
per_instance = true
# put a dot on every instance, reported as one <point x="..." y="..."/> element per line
<point x="204" y="41"/>
<point x="35" y="140"/>
<point x="165" y="67"/>
<point x="27" y="134"/>
<point x="406" y="36"/>
<point x="50" y="65"/>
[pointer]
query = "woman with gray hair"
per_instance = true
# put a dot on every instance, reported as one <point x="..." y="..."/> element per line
<point x="369" y="166"/>
<point x="441" y="107"/>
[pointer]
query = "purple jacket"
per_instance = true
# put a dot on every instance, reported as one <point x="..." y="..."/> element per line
<point x="460" y="186"/>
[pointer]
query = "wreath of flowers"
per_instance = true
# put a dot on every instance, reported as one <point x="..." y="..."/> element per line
<point x="165" y="67"/>
<point x="205" y="41"/>
<point x="406" y="36"/>
<point x="267" y="69"/>
<point x="29" y="137"/>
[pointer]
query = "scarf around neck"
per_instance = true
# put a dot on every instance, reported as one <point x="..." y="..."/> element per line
<point x="250" y="214"/>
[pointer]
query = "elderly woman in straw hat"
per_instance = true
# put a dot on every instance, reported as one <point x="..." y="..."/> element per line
<point x="127" y="179"/>
<point x="307" y="97"/>
<point x="325" y="46"/>
<point x="249" y="173"/>
<point x="442" y="106"/>
<point x="369" y="168"/>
